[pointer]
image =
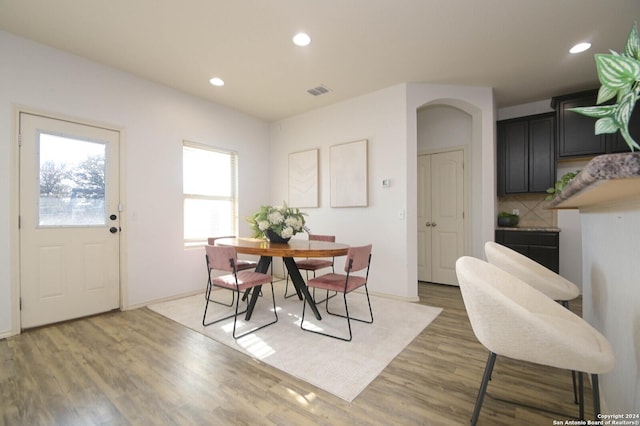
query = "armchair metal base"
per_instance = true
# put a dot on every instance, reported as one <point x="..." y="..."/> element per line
<point x="580" y="391"/>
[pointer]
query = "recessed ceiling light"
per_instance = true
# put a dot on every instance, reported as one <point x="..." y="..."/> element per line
<point x="216" y="81"/>
<point x="301" y="39"/>
<point x="580" y="47"/>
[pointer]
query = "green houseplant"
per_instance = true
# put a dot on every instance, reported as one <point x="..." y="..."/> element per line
<point x="619" y="75"/>
<point x="560" y="184"/>
<point x="277" y="222"/>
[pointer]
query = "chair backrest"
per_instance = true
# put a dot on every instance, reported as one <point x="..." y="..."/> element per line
<point x="513" y="319"/>
<point x="318" y="237"/>
<point x="358" y="258"/>
<point x="220" y="257"/>
<point x="212" y="240"/>
<point x="541" y="278"/>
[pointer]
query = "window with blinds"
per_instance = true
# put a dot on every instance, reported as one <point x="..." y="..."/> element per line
<point x="210" y="192"/>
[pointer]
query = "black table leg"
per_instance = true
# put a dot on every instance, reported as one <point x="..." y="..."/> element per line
<point x="263" y="266"/>
<point x="300" y="285"/>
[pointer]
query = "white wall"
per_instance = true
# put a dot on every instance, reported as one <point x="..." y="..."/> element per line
<point x="388" y="120"/>
<point x="442" y="127"/>
<point x="380" y="118"/>
<point x="154" y="121"/>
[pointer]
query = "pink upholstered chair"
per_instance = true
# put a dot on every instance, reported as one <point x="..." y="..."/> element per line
<point x="224" y="259"/>
<point x="513" y="319"/>
<point x="242" y="263"/>
<point x="358" y="259"/>
<point x="313" y="263"/>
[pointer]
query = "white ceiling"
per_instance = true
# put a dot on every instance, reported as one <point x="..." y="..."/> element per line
<point x="518" y="47"/>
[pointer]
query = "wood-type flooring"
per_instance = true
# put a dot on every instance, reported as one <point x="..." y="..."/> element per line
<point x="139" y="368"/>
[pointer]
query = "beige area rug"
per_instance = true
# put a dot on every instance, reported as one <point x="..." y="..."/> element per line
<point x="342" y="368"/>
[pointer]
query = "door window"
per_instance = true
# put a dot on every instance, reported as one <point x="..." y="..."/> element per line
<point x="72" y="182"/>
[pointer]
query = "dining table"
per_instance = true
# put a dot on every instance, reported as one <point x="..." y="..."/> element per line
<point x="292" y="249"/>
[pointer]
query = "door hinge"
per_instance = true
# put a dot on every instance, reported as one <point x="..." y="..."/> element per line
<point x="19" y="221"/>
<point x="20" y="303"/>
<point x="19" y="139"/>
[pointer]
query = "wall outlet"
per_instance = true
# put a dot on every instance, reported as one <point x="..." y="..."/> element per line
<point x="516" y="212"/>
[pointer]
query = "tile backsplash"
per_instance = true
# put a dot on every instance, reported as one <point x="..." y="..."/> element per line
<point x="533" y="209"/>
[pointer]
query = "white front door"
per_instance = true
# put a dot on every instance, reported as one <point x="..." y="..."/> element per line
<point x="69" y="220"/>
<point x="440" y="216"/>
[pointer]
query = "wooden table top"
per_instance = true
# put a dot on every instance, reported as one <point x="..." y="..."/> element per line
<point x="295" y="248"/>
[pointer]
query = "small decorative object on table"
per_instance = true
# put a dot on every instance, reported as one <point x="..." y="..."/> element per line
<point x="277" y="223"/>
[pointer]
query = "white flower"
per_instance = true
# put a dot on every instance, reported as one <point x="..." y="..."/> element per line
<point x="293" y="222"/>
<point x="287" y="232"/>
<point x="263" y="225"/>
<point x="275" y="217"/>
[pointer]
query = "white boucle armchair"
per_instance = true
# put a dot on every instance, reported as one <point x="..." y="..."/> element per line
<point x="537" y="276"/>
<point x="511" y="318"/>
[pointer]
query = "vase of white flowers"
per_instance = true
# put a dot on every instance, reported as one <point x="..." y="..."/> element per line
<point x="277" y="223"/>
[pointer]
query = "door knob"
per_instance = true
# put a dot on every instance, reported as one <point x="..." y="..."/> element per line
<point x="433" y="224"/>
<point x="428" y="224"/>
<point x="113" y="217"/>
<point x="113" y="229"/>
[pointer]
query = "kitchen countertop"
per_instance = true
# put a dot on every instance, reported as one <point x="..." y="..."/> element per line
<point x="527" y="228"/>
<point x="605" y="178"/>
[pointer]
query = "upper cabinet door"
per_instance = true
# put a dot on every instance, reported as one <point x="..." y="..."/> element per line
<point x="526" y="154"/>
<point x="542" y="165"/>
<point x="513" y="146"/>
<point x="576" y="132"/>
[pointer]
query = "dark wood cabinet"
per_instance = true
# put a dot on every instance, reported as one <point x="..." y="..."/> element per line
<point x="543" y="247"/>
<point x="526" y="154"/>
<point x="576" y="132"/>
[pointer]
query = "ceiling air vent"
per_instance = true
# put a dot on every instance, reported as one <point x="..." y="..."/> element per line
<point x="320" y="90"/>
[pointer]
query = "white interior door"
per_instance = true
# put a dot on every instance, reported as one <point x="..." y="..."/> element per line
<point x="425" y="266"/>
<point x="440" y="216"/>
<point x="69" y="220"/>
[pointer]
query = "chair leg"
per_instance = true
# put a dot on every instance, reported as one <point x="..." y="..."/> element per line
<point x="207" y="295"/>
<point x="483" y="387"/>
<point x="327" y="334"/>
<point x="347" y="316"/>
<point x="368" y="321"/>
<point x="565" y="303"/>
<point x="581" y="395"/>
<point x="596" y="396"/>
<point x="235" y="319"/>
<point x="206" y="307"/>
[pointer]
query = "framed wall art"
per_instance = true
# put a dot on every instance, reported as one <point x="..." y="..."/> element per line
<point x="348" y="174"/>
<point x="303" y="178"/>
